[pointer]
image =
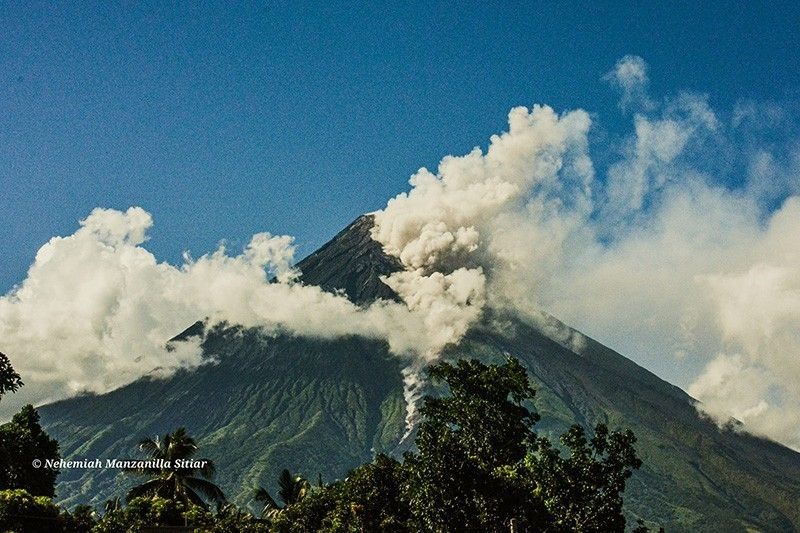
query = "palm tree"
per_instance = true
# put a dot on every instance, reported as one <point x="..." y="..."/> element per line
<point x="271" y="507"/>
<point x="291" y="489"/>
<point x="178" y="482"/>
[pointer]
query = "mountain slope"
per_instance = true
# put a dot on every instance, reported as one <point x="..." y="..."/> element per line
<point x="326" y="406"/>
<point x="353" y="263"/>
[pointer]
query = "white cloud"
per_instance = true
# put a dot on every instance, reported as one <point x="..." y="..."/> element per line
<point x="653" y="155"/>
<point x="630" y="76"/>
<point x="758" y="315"/>
<point x="654" y="268"/>
<point x="758" y="115"/>
<point x="96" y="308"/>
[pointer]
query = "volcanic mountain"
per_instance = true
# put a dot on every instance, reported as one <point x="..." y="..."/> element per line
<point x="322" y="407"/>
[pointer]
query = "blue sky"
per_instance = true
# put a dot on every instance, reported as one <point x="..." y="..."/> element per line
<point x="227" y="120"/>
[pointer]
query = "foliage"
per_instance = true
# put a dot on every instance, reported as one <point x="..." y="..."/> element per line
<point x="23" y="513"/>
<point x="478" y="466"/>
<point x="291" y="489"/>
<point x="174" y="481"/>
<point x="25" y="489"/>
<point x="583" y="491"/>
<point x="369" y="499"/>
<point x="144" y="512"/>
<point x="468" y="473"/>
<point x="155" y="511"/>
<point x="20" y="512"/>
<point x="112" y="505"/>
<point x="81" y="520"/>
<point x="309" y="514"/>
<point x="10" y="381"/>
<point x="372" y="499"/>
<point x="231" y="519"/>
<point x="22" y="441"/>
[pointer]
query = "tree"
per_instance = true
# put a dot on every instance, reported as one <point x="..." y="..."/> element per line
<point x="479" y="466"/>
<point x="113" y="504"/>
<point x="231" y="519"/>
<point x="176" y="480"/>
<point x="81" y="520"/>
<point x="20" y="511"/>
<point x="144" y="512"/>
<point x="9" y="379"/>
<point x="24" y="444"/>
<point x="269" y="505"/>
<point x="291" y="489"/>
<point x="469" y="473"/>
<point x="155" y="512"/>
<point x="372" y="499"/>
<point x="583" y="492"/>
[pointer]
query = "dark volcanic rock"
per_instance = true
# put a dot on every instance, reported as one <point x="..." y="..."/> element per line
<point x="351" y="262"/>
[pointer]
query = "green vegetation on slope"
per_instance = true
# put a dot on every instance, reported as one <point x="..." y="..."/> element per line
<point x="478" y="466"/>
<point x="279" y="402"/>
<point x="325" y="407"/>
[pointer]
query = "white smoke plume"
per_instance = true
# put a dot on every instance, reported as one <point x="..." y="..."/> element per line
<point x="486" y="214"/>
<point x="454" y="228"/>
<point x="660" y="258"/>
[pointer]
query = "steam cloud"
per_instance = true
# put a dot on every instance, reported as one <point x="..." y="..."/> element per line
<point x="96" y="308"/>
<point x="672" y="255"/>
<point x="661" y="259"/>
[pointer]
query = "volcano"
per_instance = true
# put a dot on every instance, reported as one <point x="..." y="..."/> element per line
<point x="321" y="407"/>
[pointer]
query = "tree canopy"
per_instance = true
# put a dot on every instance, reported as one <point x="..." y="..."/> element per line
<point x="469" y="473"/>
<point x="23" y="441"/>
<point x="10" y="381"/>
<point x="478" y="466"/>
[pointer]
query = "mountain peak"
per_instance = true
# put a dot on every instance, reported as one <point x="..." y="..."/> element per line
<point x="352" y="262"/>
